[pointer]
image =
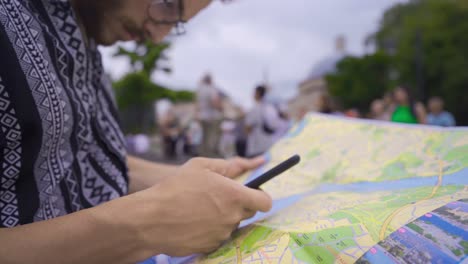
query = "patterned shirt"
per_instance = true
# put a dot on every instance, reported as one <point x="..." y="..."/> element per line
<point x="61" y="148"/>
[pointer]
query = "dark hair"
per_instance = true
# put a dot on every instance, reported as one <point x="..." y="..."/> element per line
<point x="436" y="99"/>
<point x="260" y="91"/>
<point x="207" y="79"/>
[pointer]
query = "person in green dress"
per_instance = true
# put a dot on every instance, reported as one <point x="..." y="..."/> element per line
<point x="406" y="111"/>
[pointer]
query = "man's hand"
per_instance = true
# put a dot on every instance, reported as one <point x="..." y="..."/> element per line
<point x="239" y="166"/>
<point x="195" y="211"/>
<point x="145" y="174"/>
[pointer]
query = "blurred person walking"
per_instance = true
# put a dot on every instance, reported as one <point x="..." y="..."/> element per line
<point x="171" y="133"/>
<point x="241" y="136"/>
<point x="210" y="114"/>
<point x="437" y="115"/>
<point x="284" y="122"/>
<point x="377" y="111"/>
<point x="261" y="124"/>
<point x="227" y="142"/>
<point x="325" y="104"/>
<point x="406" y="111"/>
<point x="193" y="138"/>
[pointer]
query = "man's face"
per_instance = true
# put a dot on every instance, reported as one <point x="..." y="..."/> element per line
<point x="108" y="21"/>
<point x="436" y="106"/>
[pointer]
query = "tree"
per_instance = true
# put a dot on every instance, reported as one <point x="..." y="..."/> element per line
<point x="428" y="39"/>
<point x="136" y="93"/>
<point x="358" y="81"/>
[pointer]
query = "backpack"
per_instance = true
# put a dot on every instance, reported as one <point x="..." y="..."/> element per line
<point x="267" y="128"/>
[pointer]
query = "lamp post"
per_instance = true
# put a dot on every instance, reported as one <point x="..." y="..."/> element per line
<point x="419" y="66"/>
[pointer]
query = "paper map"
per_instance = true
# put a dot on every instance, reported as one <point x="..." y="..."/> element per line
<point x="365" y="192"/>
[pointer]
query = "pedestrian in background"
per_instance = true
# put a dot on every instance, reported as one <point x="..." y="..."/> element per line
<point x="210" y="114"/>
<point x="437" y="115"/>
<point x="171" y="132"/>
<point x="378" y="111"/>
<point x="261" y="124"/>
<point x="406" y="111"/>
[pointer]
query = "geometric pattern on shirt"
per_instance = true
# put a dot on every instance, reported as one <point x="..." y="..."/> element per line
<point x="30" y="48"/>
<point x="10" y="131"/>
<point x="67" y="101"/>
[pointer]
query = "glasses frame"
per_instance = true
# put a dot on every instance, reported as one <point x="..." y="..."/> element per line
<point x="178" y="23"/>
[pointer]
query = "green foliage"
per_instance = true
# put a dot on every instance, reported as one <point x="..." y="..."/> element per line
<point x="147" y="57"/>
<point x="358" y="81"/>
<point x="426" y="44"/>
<point x="136" y="92"/>
<point x="137" y="88"/>
<point x="434" y="34"/>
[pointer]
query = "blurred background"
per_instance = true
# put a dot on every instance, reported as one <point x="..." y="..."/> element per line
<point x="198" y="93"/>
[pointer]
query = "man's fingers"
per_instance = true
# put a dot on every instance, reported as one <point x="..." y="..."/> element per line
<point x="255" y="200"/>
<point x="217" y="166"/>
<point x="239" y="165"/>
<point x="249" y="199"/>
<point x="250" y="164"/>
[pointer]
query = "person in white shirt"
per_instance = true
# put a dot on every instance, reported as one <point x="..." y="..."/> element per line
<point x="209" y="108"/>
<point x="261" y="124"/>
<point x="284" y="122"/>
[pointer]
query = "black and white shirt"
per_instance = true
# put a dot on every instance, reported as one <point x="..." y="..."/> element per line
<point x="61" y="148"/>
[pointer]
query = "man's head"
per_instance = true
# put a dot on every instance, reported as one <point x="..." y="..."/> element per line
<point x="401" y="96"/>
<point x="260" y="93"/>
<point x="108" y="21"/>
<point x="377" y="107"/>
<point x="207" y="79"/>
<point x="436" y="105"/>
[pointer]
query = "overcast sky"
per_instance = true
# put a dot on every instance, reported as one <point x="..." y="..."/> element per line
<point x="241" y="41"/>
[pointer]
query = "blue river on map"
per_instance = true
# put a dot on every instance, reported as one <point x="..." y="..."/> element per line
<point x="459" y="178"/>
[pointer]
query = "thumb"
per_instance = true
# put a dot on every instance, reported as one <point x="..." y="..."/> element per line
<point x="256" y="200"/>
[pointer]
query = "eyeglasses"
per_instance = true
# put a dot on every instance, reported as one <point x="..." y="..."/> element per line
<point x="168" y="12"/>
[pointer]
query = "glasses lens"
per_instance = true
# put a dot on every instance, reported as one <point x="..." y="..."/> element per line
<point x="166" y="11"/>
<point x="177" y="30"/>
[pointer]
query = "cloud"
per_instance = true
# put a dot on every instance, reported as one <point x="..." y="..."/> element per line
<point x="241" y="41"/>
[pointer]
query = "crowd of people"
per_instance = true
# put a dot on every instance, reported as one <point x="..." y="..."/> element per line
<point x="395" y="106"/>
<point x="211" y="134"/>
<point x="399" y="106"/>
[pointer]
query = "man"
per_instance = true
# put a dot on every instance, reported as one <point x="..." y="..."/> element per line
<point x="261" y="124"/>
<point x="209" y="106"/>
<point x="378" y="111"/>
<point x="437" y="116"/>
<point x="66" y="194"/>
